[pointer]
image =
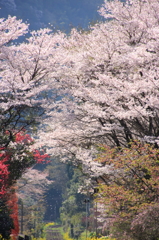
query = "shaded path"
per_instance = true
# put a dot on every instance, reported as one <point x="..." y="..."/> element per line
<point x="53" y="233"/>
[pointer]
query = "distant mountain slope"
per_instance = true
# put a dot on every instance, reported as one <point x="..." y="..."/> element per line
<point x="61" y="13"/>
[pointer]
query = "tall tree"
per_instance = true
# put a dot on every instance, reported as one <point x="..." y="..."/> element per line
<point x="25" y="69"/>
<point x="108" y="83"/>
<point x="130" y="191"/>
<point x="32" y="187"/>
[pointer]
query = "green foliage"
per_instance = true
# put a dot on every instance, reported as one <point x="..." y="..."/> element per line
<point x="72" y="211"/>
<point x="33" y="215"/>
<point x="131" y="188"/>
<point x="45" y="228"/>
<point x="48" y="225"/>
<point x="66" y="236"/>
<point x="92" y="236"/>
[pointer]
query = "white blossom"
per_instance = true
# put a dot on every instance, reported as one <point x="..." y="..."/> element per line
<point x="107" y="80"/>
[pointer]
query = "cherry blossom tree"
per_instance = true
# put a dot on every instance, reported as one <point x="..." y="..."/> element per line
<point x="25" y="70"/>
<point x="108" y="83"/>
<point x="33" y="183"/>
<point x="26" y="96"/>
<point x="97" y="86"/>
<point x="87" y="88"/>
<point x="32" y="188"/>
